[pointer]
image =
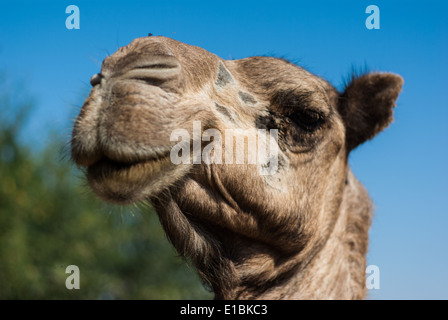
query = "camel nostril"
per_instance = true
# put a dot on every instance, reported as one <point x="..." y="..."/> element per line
<point x="157" y="62"/>
<point x="96" y="79"/>
<point x="159" y="67"/>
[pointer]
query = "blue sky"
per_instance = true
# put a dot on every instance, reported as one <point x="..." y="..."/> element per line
<point x="404" y="168"/>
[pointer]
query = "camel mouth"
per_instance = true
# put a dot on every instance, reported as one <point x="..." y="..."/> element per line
<point x="106" y="167"/>
<point x="126" y="182"/>
<point x="116" y="162"/>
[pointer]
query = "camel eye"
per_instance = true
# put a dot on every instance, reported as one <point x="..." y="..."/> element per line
<point x="308" y="120"/>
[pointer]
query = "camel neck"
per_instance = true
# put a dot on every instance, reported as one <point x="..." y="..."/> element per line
<point x="334" y="271"/>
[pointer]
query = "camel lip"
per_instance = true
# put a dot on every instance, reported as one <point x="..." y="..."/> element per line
<point x="106" y="166"/>
<point x="117" y="156"/>
<point x="114" y="165"/>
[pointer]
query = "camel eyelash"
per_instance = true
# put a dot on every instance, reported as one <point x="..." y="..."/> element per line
<point x="292" y="103"/>
<point x="307" y="119"/>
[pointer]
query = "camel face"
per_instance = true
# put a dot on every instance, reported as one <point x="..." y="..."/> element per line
<point x="155" y="86"/>
<point x="245" y="160"/>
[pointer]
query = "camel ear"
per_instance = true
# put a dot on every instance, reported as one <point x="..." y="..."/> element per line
<point x="366" y="106"/>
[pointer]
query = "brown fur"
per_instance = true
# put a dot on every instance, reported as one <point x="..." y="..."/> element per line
<point x="301" y="233"/>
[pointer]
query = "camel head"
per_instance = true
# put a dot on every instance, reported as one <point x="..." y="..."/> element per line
<point x="245" y="162"/>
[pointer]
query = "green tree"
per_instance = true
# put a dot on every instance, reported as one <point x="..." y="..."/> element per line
<point x="50" y="220"/>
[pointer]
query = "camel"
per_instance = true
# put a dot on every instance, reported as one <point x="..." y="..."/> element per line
<point x="300" y="232"/>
